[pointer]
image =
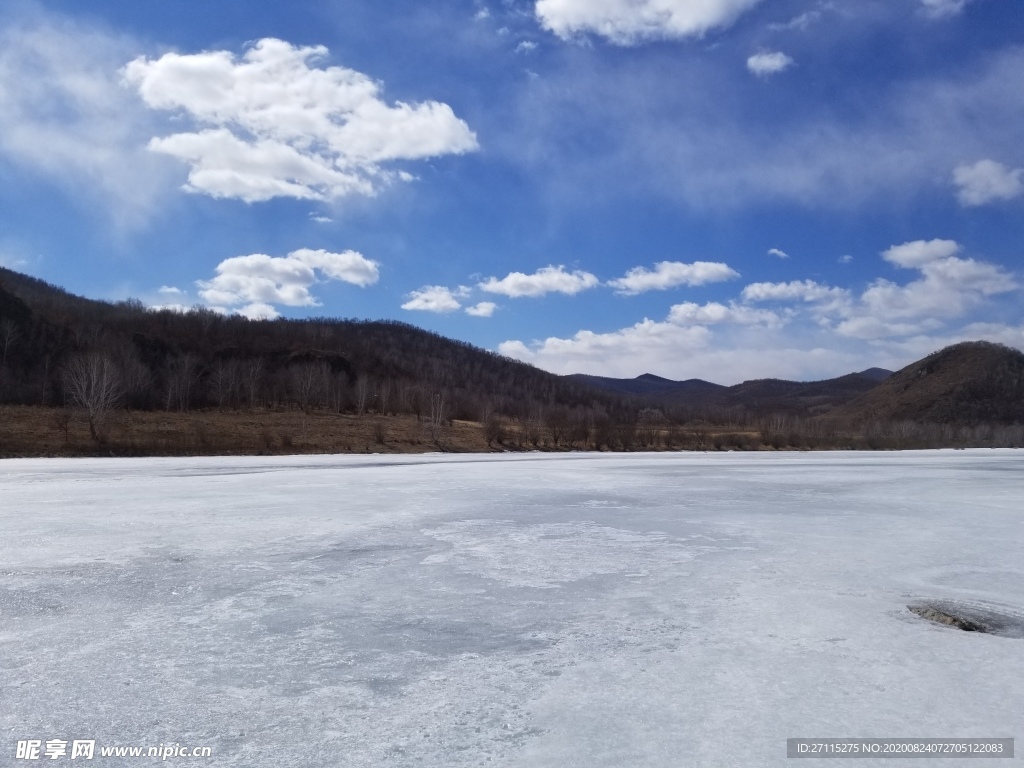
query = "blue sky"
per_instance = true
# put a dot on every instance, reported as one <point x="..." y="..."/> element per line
<point x="723" y="189"/>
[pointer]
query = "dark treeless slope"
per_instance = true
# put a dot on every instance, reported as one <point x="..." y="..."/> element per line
<point x="971" y="383"/>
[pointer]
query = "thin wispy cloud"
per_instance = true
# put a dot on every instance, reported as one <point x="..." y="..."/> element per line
<point x="65" y="117"/>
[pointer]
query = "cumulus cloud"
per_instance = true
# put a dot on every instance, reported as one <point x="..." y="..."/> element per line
<point x="777" y="252"/>
<point x="65" y="117"/>
<point x="817" y="331"/>
<point x="172" y="307"/>
<point x="258" y="311"/>
<point x="170" y="290"/>
<point x="726" y="355"/>
<point x="483" y="309"/>
<point x="714" y="313"/>
<point x="546" y="280"/>
<point x="796" y="290"/>
<point x="987" y="181"/>
<point x="669" y="274"/>
<point x="920" y="252"/>
<point x="432" y="298"/>
<point x="276" y="124"/>
<point x="627" y="22"/>
<point x="769" y="63"/>
<point x="948" y="287"/>
<point x="259" y="281"/>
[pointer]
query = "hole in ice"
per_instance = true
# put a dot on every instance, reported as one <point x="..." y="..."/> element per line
<point x="972" y="618"/>
<point x="942" y="617"/>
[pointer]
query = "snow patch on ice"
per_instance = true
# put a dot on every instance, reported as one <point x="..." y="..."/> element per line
<point x="546" y="555"/>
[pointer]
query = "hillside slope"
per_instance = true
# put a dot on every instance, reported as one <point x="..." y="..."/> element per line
<point x="970" y="383"/>
<point x="180" y="361"/>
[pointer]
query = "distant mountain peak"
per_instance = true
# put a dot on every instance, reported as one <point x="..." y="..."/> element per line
<point x="878" y="374"/>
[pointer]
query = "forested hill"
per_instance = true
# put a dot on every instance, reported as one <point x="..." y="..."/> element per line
<point x="181" y="361"/>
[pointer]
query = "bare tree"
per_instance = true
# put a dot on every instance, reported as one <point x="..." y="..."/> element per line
<point x="309" y="383"/>
<point x="8" y="335"/>
<point x="558" y="422"/>
<point x="94" y="384"/>
<point x="364" y="388"/>
<point x="253" y="379"/>
<point x="225" y="379"/>
<point x="384" y="396"/>
<point x="649" y="422"/>
<point x="182" y="376"/>
<point x="494" y="430"/>
<point x="533" y="424"/>
<point x="437" y="416"/>
<point x="62" y="421"/>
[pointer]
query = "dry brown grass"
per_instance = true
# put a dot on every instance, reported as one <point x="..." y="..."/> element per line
<point x="28" y="431"/>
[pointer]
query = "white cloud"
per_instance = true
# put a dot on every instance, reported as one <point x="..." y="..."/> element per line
<point x="713" y="313"/>
<point x="274" y="124"/>
<point x="669" y="274"/>
<point x="949" y="287"/>
<point x="943" y="8"/>
<point x="258" y="311"/>
<point x="846" y="259"/>
<point x="526" y="46"/>
<point x="173" y="307"/>
<point x="920" y="252"/>
<point x="769" y="63"/>
<point x="776" y="252"/>
<point x="65" y="117"/>
<point x="611" y="353"/>
<point x="170" y="290"/>
<point x="797" y="290"/>
<point x="483" y="309"/>
<point x="987" y="181"/>
<point x="820" y="331"/>
<point x="627" y="22"/>
<point x="546" y="280"/>
<point x="260" y="281"/>
<point x="432" y="298"/>
<point x="724" y="356"/>
<point x="349" y="266"/>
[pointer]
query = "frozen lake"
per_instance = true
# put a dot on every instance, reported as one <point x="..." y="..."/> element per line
<point x="529" y="610"/>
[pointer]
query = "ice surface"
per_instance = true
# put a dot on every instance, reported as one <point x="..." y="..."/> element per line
<point x="528" y="610"/>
